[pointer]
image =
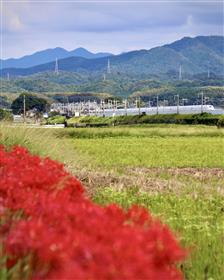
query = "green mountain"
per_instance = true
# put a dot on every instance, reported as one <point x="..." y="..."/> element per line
<point x="195" y="55"/>
<point x="46" y="56"/>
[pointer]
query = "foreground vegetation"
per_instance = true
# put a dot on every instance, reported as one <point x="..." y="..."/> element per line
<point x="50" y="230"/>
<point x="198" y="221"/>
<point x="175" y="171"/>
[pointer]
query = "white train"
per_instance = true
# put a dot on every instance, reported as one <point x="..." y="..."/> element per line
<point x="192" y="109"/>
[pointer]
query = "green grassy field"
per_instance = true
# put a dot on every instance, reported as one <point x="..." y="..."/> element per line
<point x="175" y="171"/>
<point x="153" y="152"/>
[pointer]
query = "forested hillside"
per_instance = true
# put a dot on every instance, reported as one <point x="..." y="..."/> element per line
<point x="195" y="55"/>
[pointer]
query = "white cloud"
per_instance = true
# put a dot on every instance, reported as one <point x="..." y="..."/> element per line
<point x="116" y="27"/>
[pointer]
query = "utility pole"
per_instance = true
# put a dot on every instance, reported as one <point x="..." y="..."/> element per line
<point x="202" y="101"/>
<point x="206" y="98"/>
<point x="125" y="105"/>
<point x="24" y="108"/>
<point x="8" y="77"/>
<point x="113" y="106"/>
<point x="137" y="104"/>
<point x="95" y="105"/>
<point x="103" y="108"/>
<point x="184" y="100"/>
<point x="157" y="104"/>
<point x="89" y="107"/>
<point x="165" y="102"/>
<point x="178" y="103"/>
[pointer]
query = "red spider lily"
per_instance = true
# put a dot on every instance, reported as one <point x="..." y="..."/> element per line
<point x="47" y="216"/>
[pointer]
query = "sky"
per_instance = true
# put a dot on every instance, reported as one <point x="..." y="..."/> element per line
<point x="108" y="25"/>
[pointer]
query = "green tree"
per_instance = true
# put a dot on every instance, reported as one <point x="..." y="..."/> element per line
<point x="31" y="102"/>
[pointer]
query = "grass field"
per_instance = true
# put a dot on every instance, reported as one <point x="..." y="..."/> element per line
<point x="153" y="152"/>
<point x="175" y="171"/>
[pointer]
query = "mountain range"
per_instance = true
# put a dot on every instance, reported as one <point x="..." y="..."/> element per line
<point x="48" y="55"/>
<point x="195" y="55"/>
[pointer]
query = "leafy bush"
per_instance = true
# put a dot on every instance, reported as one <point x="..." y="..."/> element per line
<point x="56" y="120"/>
<point x="220" y="123"/>
<point x="5" y="115"/>
<point x="50" y="230"/>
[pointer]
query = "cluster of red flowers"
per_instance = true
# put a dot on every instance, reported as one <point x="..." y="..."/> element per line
<point x="46" y="216"/>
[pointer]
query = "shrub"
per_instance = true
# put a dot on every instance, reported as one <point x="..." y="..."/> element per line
<point x="51" y="230"/>
<point x="220" y="123"/>
<point x="56" y="120"/>
<point x="5" y="115"/>
<point x="204" y="118"/>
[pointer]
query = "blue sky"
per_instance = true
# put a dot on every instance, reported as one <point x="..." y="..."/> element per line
<point x="113" y="26"/>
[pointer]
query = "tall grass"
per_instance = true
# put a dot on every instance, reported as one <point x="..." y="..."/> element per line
<point x="41" y="141"/>
<point x="159" y="130"/>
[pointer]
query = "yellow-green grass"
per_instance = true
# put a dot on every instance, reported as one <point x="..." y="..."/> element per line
<point x="41" y="141"/>
<point x="149" y="146"/>
<point x="147" y="130"/>
<point x="153" y="152"/>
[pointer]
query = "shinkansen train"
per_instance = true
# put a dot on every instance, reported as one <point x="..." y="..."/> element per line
<point x="193" y="109"/>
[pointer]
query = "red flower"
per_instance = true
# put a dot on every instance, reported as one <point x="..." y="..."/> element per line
<point x="67" y="236"/>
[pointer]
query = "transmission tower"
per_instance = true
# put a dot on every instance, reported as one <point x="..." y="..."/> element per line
<point x="208" y="73"/>
<point x="56" y="66"/>
<point x="180" y="72"/>
<point x="108" y="67"/>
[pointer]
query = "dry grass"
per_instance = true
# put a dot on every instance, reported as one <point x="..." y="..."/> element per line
<point x="156" y="180"/>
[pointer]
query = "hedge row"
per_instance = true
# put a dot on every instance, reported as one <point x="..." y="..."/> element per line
<point x="190" y="119"/>
<point x="56" y="120"/>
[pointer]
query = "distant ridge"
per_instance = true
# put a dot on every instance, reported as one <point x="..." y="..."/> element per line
<point x="195" y="55"/>
<point x="49" y="55"/>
